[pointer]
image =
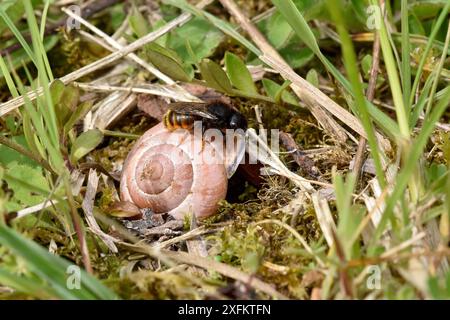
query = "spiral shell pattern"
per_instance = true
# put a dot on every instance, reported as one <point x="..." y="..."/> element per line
<point x="162" y="172"/>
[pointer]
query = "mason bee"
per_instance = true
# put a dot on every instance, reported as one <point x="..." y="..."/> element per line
<point x="213" y="115"/>
<point x="216" y="114"/>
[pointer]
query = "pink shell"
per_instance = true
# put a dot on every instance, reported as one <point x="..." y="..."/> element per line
<point x="174" y="172"/>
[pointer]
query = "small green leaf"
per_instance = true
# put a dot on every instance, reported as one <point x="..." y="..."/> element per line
<point x="278" y="30"/>
<point x="366" y="64"/>
<point x="67" y="102"/>
<point x="415" y="26"/>
<point x="8" y="155"/>
<point x="360" y="9"/>
<point x="313" y="77"/>
<point x="14" y="10"/>
<point x="281" y="90"/>
<point x="117" y="15"/>
<point x="272" y="89"/>
<point x="138" y="24"/>
<point x="162" y="41"/>
<point x="215" y="77"/>
<point x="167" y="61"/>
<point x="56" y="90"/>
<point x="200" y="37"/>
<point x="24" y="194"/>
<point x="85" y="143"/>
<point x="79" y="113"/>
<point x="312" y="9"/>
<point x="11" y="124"/>
<point x="426" y="9"/>
<point x="296" y="57"/>
<point x="298" y="23"/>
<point x="238" y="73"/>
<point x="70" y="97"/>
<point x="30" y="136"/>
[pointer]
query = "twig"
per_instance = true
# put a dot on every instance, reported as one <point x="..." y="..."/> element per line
<point x="296" y="235"/>
<point x="370" y="94"/>
<point x="90" y="10"/>
<point x="88" y="208"/>
<point x="77" y="224"/>
<point x="266" y="156"/>
<point x="370" y="261"/>
<point x="343" y="272"/>
<point x="105" y="61"/>
<point x="313" y="97"/>
<point x="302" y="159"/>
<point x="151" y="88"/>
<point x="116" y="46"/>
<point x="43" y="205"/>
<point x="208" y="264"/>
<point x="186" y="236"/>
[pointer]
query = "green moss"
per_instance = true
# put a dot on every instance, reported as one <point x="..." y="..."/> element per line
<point x="114" y="154"/>
<point x="267" y="250"/>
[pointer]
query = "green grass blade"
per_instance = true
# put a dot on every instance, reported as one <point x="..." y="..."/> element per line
<point x="438" y="71"/>
<point x="27" y="285"/>
<point x="38" y="46"/>
<point x="292" y="14"/>
<point x="351" y="66"/>
<point x="420" y="105"/>
<point x="44" y="74"/>
<point x="44" y="19"/>
<point x="9" y="80"/>
<point x="391" y="68"/>
<point x="52" y="268"/>
<point x="406" y="50"/>
<point x="54" y="154"/>
<point x="432" y="36"/>
<point x="220" y="24"/>
<point x="12" y="27"/>
<point x="409" y="168"/>
<point x="294" y="17"/>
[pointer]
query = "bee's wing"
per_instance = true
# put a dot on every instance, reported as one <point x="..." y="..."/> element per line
<point x="235" y="153"/>
<point x="197" y="109"/>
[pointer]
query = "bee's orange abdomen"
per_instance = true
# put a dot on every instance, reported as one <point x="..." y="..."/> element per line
<point x="187" y="122"/>
<point x="173" y="121"/>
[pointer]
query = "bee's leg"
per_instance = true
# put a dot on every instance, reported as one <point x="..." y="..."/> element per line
<point x="204" y="131"/>
<point x="186" y="133"/>
<point x="202" y="138"/>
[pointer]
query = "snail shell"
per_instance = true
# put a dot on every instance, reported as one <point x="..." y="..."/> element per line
<point x="166" y="171"/>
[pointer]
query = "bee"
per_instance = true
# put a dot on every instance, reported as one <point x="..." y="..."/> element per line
<point x="214" y="114"/>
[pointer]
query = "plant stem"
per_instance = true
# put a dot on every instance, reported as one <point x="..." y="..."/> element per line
<point x="27" y="153"/>
<point x="351" y="64"/>
<point x="370" y="94"/>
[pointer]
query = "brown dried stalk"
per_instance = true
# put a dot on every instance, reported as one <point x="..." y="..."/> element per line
<point x="315" y="99"/>
<point x="370" y="94"/>
<point x="86" y="12"/>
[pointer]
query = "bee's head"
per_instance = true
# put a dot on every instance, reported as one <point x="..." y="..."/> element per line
<point x="237" y="121"/>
